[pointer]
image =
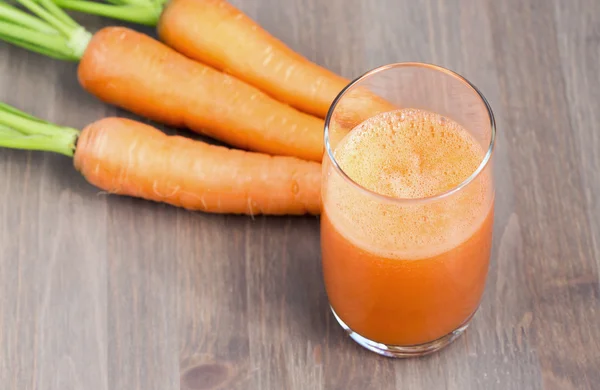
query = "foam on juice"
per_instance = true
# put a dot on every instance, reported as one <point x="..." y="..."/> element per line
<point x="408" y="154"/>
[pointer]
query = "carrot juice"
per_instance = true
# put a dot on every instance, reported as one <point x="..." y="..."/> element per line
<point x="405" y="235"/>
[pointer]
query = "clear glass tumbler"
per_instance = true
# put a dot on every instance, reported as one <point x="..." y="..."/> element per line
<point x="406" y="227"/>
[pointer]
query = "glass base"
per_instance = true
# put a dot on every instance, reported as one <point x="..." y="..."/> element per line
<point x="397" y="351"/>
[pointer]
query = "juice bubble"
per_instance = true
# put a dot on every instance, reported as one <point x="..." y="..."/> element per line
<point x="408" y="154"/>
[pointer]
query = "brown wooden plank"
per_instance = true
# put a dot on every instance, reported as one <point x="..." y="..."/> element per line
<point x="578" y="29"/>
<point x="286" y="303"/>
<point x="142" y="292"/>
<point x="211" y="308"/>
<point x="53" y="332"/>
<point x="544" y="149"/>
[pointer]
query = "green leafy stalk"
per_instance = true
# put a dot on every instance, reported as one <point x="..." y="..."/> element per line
<point x="51" y="45"/>
<point x="19" y="130"/>
<point x="25" y="20"/>
<point x="58" y="13"/>
<point x="6" y="131"/>
<point x="46" y="15"/>
<point x="49" y="31"/>
<point x="145" y="12"/>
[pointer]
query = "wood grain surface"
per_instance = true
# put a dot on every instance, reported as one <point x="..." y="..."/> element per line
<point x="106" y="292"/>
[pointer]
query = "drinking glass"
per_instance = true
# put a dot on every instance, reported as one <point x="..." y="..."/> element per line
<point x="404" y="276"/>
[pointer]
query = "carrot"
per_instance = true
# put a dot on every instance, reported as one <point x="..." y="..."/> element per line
<point x="137" y="73"/>
<point x="217" y="33"/>
<point x="155" y="81"/>
<point x="125" y="157"/>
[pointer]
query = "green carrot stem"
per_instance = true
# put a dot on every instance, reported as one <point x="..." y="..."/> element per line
<point x="38" y="49"/>
<point x="59" y="14"/>
<point x="50" y="45"/>
<point x="146" y="14"/>
<point x="6" y="131"/>
<point x="22" y="131"/>
<point x="117" y="2"/>
<point x="23" y="19"/>
<point x="52" y="33"/>
<point x="47" y="16"/>
<point x="22" y="114"/>
<point x="58" y="144"/>
<point x="131" y="2"/>
<point x="25" y="125"/>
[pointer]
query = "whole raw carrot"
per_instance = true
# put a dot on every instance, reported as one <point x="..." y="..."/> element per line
<point x="220" y="35"/>
<point x="132" y="70"/>
<point x="125" y="157"/>
<point x="130" y="158"/>
<point x="142" y="75"/>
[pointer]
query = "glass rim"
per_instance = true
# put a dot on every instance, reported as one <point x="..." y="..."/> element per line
<point x="482" y="165"/>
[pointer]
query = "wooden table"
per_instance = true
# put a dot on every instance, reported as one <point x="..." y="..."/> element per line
<point x="107" y="292"/>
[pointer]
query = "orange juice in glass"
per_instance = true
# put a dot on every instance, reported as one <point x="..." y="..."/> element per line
<point x="408" y="205"/>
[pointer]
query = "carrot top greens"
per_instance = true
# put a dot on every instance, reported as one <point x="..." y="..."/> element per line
<point x="145" y="12"/>
<point x="46" y="29"/>
<point x="19" y="130"/>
